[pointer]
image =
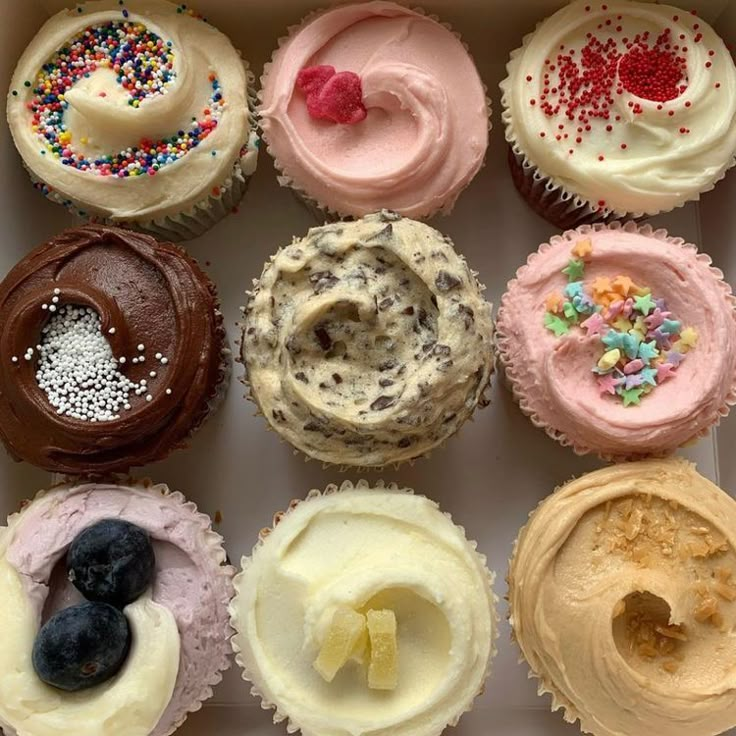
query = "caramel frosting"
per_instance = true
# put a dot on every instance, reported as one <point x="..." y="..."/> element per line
<point x="368" y="342"/>
<point x="158" y="312"/>
<point x="623" y="600"/>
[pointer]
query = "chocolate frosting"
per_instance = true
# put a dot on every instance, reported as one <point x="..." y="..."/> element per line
<point x="152" y="294"/>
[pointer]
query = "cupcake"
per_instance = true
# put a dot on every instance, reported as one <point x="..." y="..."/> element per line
<point x="622" y="591"/>
<point x="618" y="109"/>
<point x="620" y="340"/>
<point x="368" y="342"/>
<point x="114" y="612"/>
<point x="365" y="610"/>
<point x="135" y="114"/>
<point x="112" y="351"/>
<point x="374" y="105"/>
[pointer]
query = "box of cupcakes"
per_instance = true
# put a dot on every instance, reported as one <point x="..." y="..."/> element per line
<point x="366" y="368"/>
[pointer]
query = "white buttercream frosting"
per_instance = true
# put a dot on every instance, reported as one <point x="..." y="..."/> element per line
<point x="366" y="549"/>
<point x="649" y="155"/>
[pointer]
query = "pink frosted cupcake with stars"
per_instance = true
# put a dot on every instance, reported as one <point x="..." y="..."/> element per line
<point x="620" y="340"/>
<point x="618" y="109"/>
<point x="374" y="105"/>
<point x="136" y="113"/>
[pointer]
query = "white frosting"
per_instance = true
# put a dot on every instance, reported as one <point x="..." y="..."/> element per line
<point x="110" y="124"/>
<point x="366" y="548"/>
<point x="660" y="168"/>
<point x="131" y="704"/>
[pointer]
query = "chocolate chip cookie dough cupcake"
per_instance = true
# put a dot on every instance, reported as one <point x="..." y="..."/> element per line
<point x="381" y="619"/>
<point x="112" y="351"/>
<point x="368" y="342"/>
<point x="136" y="113"/>
<point x="622" y="591"/>
<point x="114" y="616"/>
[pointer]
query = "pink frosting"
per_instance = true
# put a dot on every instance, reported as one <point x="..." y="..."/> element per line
<point x="191" y="580"/>
<point x="552" y="377"/>
<point x="426" y="132"/>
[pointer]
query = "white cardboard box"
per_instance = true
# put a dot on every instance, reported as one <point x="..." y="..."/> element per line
<point x="498" y="468"/>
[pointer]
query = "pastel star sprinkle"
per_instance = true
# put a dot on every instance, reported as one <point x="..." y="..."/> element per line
<point x="648" y="351"/>
<point x="574" y="270"/>
<point x="689" y="337"/>
<point x="633" y="380"/>
<point x="649" y="375"/>
<point x="623" y="285"/>
<point x="574" y="288"/>
<point x="644" y="304"/>
<point x="556" y="324"/>
<point x="674" y="358"/>
<point x="613" y="339"/>
<point x="601" y="286"/>
<point x="583" y="248"/>
<point x="665" y="371"/>
<point x="671" y="326"/>
<point x="571" y="314"/>
<point x="553" y="303"/>
<point x="608" y="383"/>
<point x="594" y="324"/>
<point x="632" y="396"/>
<point x="622" y="324"/>
<point x="656" y="318"/>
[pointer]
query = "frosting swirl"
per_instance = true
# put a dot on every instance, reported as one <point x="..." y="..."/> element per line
<point x="368" y="342"/>
<point x="132" y="112"/>
<point x="180" y="630"/>
<point x="630" y="106"/>
<point x="145" y="293"/>
<point x="362" y="548"/>
<point x="551" y="376"/>
<point x="427" y="127"/>
<point x="622" y="597"/>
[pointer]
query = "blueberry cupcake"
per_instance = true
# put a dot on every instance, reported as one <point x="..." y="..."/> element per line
<point x="622" y="590"/>
<point x="620" y="340"/>
<point x="112" y="351"/>
<point x="115" y="611"/>
<point x="618" y="109"/>
<point x="135" y="113"/>
<point x="368" y="342"/>
<point x="374" y="105"/>
<point x="365" y="610"/>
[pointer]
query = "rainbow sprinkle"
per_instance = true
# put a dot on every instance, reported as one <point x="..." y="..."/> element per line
<point x="144" y="65"/>
<point x="642" y="344"/>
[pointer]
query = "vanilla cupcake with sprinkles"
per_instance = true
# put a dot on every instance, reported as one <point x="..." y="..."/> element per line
<point x="618" y="108"/>
<point x="135" y="113"/>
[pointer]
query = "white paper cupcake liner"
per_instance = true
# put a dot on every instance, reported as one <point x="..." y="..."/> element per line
<point x="512" y="373"/>
<point x="211" y="540"/>
<point x="280" y="716"/>
<point x="323" y="213"/>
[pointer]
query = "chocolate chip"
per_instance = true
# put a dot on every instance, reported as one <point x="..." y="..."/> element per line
<point x="423" y="319"/>
<point x="323" y="338"/>
<point x="300" y="376"/>
<point x="446" y="365"/>
<point x="389" y="216"/>
<point x="337" y="378"/>
<point x="428" y="346"/>
<point x="440" y="349"/>
<point x="323" y="280"/>
<point x="388" y="365"/>
<point x="251" y="330"/>
<point x="278" y="415"/>
<point x="385" y="303"/>
<point x="384" y="234"/>
<point x="383" y="402"/>
<point x="385" y="382"/>
<point x="439" y="255"/>
<point x="446" y="281"/>
<point x="292" y="345"/>
<point x="448" y="418"/>
<point x="408" y="310"/>
<point x="468" y="315"/>
<point x="323" y="385"/>
<point x="405" y="442"/>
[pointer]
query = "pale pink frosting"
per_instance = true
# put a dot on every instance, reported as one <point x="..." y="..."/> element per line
<point x="552" y="378"/>
<point x="427" y="127"/>
<point x="192" y="580"/>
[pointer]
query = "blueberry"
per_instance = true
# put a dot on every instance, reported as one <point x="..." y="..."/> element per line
<point x="111" y="562"/>
<point x="81" y="646"/>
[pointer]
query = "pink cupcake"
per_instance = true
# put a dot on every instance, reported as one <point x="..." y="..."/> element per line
<point x="620" y="340"/>
<point x="372" y="106"/>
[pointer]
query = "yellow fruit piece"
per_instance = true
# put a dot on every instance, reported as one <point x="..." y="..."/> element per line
<point x="608" y="360"/>
<point x="345" y="631"/>
<point x="383" y="673"/>
<point x="583" y="248"/>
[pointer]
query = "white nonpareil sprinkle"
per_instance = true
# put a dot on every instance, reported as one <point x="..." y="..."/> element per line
<point x="77" y="370"/>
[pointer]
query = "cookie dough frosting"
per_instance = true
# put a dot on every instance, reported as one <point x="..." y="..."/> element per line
<point x="354" y="553"/>
<point x="180" y="627"/>
<point x="111" y="351"/>
<point x="368" y="342"/>
<point x="131" y="111"/>
<point x="630" y="106"/>
<point x="622" y="595"/>
<point x="426" y="130"/>
<point x="620" y="341"/>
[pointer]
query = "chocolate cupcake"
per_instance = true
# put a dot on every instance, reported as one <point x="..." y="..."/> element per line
<point x="113" y="351"/>
<point x="369" y="342"/>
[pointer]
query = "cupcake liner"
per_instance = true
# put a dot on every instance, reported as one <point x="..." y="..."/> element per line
<point x="323" y="213"/>
<point x="547" y="195"/>
<point x="197" y="219"/>
<point x="213" y="544"/>
<point x="514" y="373"/>
<point x="237" y="639"/>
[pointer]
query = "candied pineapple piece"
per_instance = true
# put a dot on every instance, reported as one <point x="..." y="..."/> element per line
<point x="346" y="630"/>
<point x="383" y="671"/>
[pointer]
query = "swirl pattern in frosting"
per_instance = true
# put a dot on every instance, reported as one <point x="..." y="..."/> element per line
<point x="131" y="112"/>
<point x="555" y="377"/>
<point x="365" y="548"/>
<point x="147" y="294"/>
<point x="180" y="627"/>
<point x="623" y="600"/>
<point x="426" y="132"/>
<point x="630" y="106"/>
<point x="368" y="342"/>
